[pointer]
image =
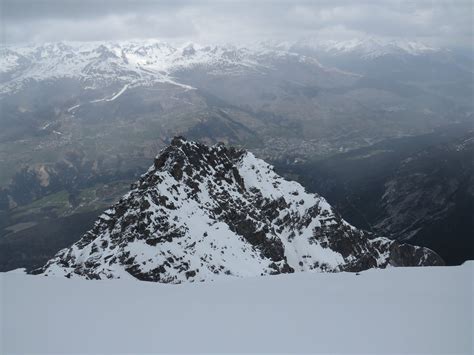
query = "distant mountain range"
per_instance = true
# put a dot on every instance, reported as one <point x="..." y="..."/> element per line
<point x="283" y="100"/>
<point x="99" y="64"/>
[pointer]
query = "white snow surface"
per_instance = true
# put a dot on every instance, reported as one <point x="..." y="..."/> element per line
<point x="392" y="311"/>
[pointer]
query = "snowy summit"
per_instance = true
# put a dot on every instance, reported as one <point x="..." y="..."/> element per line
<point x="202" y="213"/>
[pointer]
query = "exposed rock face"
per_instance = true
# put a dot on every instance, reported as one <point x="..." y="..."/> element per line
<point x="429" y="186"/>
<point x="202" y="212"/>
<point x="418" y="190"/>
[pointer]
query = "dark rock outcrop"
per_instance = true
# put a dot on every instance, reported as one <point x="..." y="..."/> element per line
<point x="202" y="212"/>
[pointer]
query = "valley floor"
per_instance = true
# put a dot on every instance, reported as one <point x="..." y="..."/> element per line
<point x="399" y="310"/>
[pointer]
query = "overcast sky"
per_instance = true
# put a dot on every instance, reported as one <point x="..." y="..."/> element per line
<point x="443" y="23"/>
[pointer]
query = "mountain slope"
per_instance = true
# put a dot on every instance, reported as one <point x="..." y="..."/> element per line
<point x="415" y="189"/>
<point x="430" y="200"/>
<point x="204" y="212"/>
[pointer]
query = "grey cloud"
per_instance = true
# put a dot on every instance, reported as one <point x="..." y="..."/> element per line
<point x="438" y="22"/>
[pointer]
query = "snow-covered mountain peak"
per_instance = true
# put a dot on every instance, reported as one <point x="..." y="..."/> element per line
<point x="369" y="47"/>
<point x="201" y="213"/>
<point x="99" y="64"/>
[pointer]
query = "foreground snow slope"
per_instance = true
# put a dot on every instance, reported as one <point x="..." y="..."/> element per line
<point x="399" y="310"/>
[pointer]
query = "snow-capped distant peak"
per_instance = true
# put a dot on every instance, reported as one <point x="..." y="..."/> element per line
<point x="369" y="47"/>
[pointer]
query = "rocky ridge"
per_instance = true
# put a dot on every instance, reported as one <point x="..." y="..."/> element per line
<point x="200" y="213"/>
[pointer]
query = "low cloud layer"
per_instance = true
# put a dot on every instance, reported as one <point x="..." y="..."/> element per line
<point x="443" y="23"/>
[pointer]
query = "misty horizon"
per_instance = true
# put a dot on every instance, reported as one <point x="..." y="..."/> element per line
<point x="445" y="24"/>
